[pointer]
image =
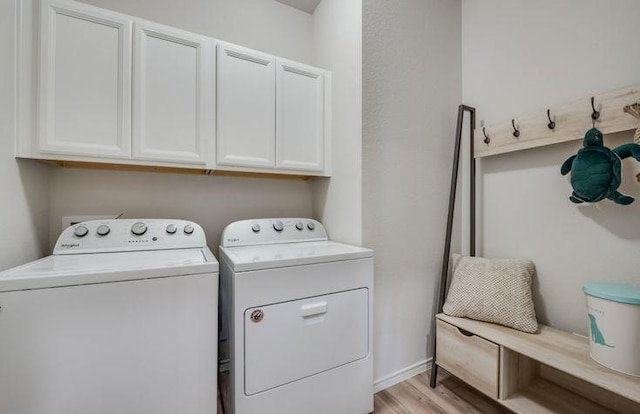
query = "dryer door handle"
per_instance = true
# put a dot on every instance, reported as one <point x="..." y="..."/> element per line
<point x="313" y="309"/>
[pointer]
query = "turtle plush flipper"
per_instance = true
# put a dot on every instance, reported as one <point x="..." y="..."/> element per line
<point x="628" y="150"/>
<point x="575" y="199"/>
<point x="566" y="166"/>
<point x="620" y="198"/>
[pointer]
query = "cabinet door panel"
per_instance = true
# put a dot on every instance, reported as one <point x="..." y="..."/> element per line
<point x="173" y="92"/>
<point x="246" y="107"/>
<point x="85" y="81"/>
<point x="300" y="117"/>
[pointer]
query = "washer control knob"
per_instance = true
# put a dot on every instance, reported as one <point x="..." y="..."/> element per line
<point x="80" y="231"/>
<point x="255" y="227"/>
<point x="278" y="226"/>
<point x="299" y="226"/>
<point x="172" y="228"/>
<point x="139" y="228"/>
<point x="188" y="229"/>
<point x="103" y="230"/>
<point x="311" y="225"/>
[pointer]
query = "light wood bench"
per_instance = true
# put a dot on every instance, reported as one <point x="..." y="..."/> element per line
<point x="547" y="372"/>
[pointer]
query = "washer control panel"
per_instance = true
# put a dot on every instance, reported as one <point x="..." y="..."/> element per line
<point x="129" y="235"/>
<point x="271" y="231"/>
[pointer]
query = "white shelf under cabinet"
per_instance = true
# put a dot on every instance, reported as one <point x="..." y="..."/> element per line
<point x="547" y="372"/>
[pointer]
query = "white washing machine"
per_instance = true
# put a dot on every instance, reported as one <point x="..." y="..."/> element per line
<point x="297" y="312"/>
<point x="122" y="318"/>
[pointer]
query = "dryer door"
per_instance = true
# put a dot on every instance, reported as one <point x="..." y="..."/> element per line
<point x="288" y="341"/>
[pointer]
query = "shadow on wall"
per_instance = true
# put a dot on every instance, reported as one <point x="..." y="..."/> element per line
<point x="623" y="221"/>
<point x="320" y="192"/>
<point x="539" y="300"/>
<point x="35" y="184"/>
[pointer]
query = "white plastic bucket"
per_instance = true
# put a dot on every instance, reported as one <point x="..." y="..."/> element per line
<point x="614" y="325"/>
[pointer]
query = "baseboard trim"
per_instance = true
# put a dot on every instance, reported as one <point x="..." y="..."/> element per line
<point x="402" y="375"/>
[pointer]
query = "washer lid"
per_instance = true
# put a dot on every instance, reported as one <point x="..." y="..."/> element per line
<point x="617" y="292"/>
<point x="80" y="269"/>
<point x="247" y="258"/>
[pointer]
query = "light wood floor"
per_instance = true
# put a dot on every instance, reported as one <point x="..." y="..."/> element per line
<point x="414" y="396"/>
<point x="451" y="395"/>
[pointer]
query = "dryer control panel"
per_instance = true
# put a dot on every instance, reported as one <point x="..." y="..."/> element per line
<point x="123" y="235"/>
<point x="272" y="231"/>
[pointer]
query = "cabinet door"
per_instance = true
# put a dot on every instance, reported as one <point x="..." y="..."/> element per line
<point x="173" y="95"/>
<point x="300" y="117"/>
<point x="246" y="107"/>
<point x="85" y="81"/>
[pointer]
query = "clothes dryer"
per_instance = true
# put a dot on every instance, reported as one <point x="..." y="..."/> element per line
<point x="297" y="312"/>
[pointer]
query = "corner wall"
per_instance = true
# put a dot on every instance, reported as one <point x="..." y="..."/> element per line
<point x="411" y="90"/>
<point x="519" y="57"/>
<point x="337" y="202"/>
<point x="24" y="185"/>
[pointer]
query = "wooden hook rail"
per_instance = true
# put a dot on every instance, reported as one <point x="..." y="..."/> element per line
<point x="609" y="112"/>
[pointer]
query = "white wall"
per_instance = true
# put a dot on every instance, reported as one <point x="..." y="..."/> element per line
<point x="518" y="58"/>
<point x="264" y="25"/>
<point x="411" y="90"/>
<point x="337" y="202"/>
<point x="211" y="201"/>
<point x="23" y="184"/>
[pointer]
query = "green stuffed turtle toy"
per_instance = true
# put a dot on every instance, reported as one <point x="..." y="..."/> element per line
<point x="596" y="171"/>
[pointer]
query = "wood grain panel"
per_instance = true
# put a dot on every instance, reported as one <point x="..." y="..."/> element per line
<point x="561" y="350"/>
<point x="124" y="167"/>
<point x="572" y="121"/>
<point x="543" y="397"/>
<point x="413" y="396"/>
<point x="451" y="395"/>
<point x="171" y="170"/>
<point x="516" y="372"/>
<point x="594" y="393"/>
<point x="470" y="358"/>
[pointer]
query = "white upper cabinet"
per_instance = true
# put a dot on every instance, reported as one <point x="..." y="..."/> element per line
<point x="173" y="95"/>
<point x="299" y="117"/>
<point x="118" y="89"/>
<point x="85" y="81"/>
<point x="270" y="112"/>
<point x="246" y="107"/>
